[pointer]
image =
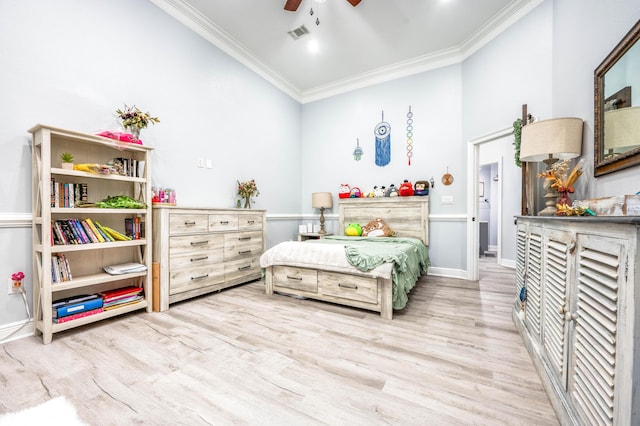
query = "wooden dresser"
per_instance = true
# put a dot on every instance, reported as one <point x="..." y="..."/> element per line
<point x="579" y="320"/>
<point x="203" y="250"/>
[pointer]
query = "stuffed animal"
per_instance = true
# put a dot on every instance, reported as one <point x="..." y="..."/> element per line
<point x="392" y="191"/>
<point x="421" y="188"/>
<point x="372" y="193"/>
<point x="344" y="191"/>
<point x="353" y="230"/>
<point x="406" y="189"/>
<point x="379" y="192"/>
<point x="377" y="228"/>
<point x="355" y="193"/>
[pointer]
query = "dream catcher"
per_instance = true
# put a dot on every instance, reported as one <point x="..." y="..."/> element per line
<point x="383" y="142"/>
<point x="357" y="153"/>
<point x="409" y="135"/>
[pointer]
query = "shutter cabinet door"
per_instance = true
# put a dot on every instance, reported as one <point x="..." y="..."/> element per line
<point x="558" y="249"/>
<point x="600" y="272"/>
<point x="533" y="281"/>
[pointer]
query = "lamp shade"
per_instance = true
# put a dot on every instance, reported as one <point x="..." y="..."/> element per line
<point x="560" y="138"/>
<point x="321" y="200"/>
<point x="622" y="128"/>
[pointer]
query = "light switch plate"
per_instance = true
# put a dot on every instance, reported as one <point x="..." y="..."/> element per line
<point x="447" y="199"/>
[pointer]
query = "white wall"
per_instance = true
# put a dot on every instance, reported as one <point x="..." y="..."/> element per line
<point x="71" y="63"/>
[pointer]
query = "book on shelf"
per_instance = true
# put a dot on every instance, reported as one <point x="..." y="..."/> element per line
<point x="68" y="194"/>
<point x="95" y="230"/>
<point x="121" y="297"/>
<point x="60" y="269"/>
<point x="105" y="235"/>
<point x="134" y="228"/>
<point x="77" y="315"/>
<point x="117" y="236"/>
<point x="75" y="305"/>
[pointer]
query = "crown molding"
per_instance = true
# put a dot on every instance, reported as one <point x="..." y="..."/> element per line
<point x="203" y="26"/>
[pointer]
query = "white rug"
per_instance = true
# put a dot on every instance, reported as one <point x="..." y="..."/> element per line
<point x="56" y="411"/>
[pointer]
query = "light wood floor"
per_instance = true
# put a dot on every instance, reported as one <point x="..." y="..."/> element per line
<point x="451" y="357"/>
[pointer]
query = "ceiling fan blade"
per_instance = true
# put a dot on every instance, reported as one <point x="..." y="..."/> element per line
<point x="292" y="5"/>
<point x="354" y="3"/>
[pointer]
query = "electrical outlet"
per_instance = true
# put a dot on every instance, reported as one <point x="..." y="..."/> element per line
<point x="447" y="199"/>
<point x="12" y="288"/>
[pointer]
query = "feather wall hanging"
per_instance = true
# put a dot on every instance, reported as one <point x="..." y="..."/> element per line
<point x="383" y="142"/>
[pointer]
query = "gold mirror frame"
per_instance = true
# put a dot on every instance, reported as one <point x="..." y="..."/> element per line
<point x="602" y="165"/>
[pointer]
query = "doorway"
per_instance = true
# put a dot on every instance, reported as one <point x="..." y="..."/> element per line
<point x="492" y="150"/>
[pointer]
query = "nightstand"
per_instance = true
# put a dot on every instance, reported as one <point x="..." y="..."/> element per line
<point x="311" y="236"/>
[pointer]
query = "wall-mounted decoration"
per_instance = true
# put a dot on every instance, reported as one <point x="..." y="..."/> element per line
<point x="383" y="142"/>
<point x="409" y="135"/>
<point x="357" y="153"/>
<point x="447" y="178"/>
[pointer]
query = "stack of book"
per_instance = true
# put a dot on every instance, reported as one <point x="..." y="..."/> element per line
<point x="68" y="194"/>
<point x="121" y="297"/>
<point x="76" y="307"/>
<point x="85" y="231"/>
<point x="60" y="270"/>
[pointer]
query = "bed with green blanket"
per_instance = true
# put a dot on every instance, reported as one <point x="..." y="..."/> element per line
<point x="373" y="273"/>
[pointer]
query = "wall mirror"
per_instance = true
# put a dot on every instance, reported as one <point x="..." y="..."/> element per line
<point x="617" y="107"/>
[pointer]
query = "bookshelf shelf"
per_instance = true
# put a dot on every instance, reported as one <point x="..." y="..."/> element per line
<point x="85" y="261"/>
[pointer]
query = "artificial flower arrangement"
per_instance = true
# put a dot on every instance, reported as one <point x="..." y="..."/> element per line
<point x="248" y="189"/>
<point x="17" y="278"/>
<point x="563" y="181"/>
<point x="134" y="117"/>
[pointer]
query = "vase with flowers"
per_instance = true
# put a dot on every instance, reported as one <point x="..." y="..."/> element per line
<point x="246" y="190"/>
<point x="562" y="181"/>
<point x="134" y="120"/>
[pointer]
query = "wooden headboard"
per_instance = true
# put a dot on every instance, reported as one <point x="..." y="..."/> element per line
<point x="407" y="216"/>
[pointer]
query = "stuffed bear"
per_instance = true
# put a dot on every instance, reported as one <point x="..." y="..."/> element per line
<point x="377" y="228"/>
<point x="379" y="192"/>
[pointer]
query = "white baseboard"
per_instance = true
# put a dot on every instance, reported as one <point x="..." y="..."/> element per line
<point x="16" y="330"/>
<point x="448" y="273"/>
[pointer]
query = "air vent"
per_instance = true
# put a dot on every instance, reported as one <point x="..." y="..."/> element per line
<point x="296" y="33"/>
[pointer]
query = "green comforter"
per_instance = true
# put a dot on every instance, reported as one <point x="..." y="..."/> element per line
<point x="409" y="256"/>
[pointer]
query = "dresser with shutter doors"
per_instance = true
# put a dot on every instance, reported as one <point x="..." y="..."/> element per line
<point x="204" y="250"/>
<point x="578" y="320"/>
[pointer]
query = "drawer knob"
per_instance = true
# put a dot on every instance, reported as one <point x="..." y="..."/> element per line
<point x="244" y="238"/>
<point x="199" y="243"/>
<point x="242" y="268"/>
<point x="244" y="252"/>
<point x="199" y="258"/>
<point x="189" y="223"/>
<point x="294" y="278"/>
<point x="350" y="286"/>
<point x="251" y="222"/>
<point x="224" y="222"/>
<point x="200" y="277"/>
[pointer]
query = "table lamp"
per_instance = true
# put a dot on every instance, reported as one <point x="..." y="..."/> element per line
<point x="621" y="130"/>
<point x="321" y="200"/>
<point x="549" y="141"/>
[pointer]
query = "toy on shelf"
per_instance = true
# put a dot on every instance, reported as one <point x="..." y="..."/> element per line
<point x="421" y="188"/>
<point x="392" y="191"/>
<point x="406" y="189"/>
<point x="355" y="193"/>
<point x="344" y="191"/>
<point x="379" y="191"/>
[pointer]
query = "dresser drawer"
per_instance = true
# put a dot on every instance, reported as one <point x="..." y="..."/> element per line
<point x="223" y="222"/>
<point x="295" y="278"/>
<point x="242" y="244"/>
<point x="198" y="242"/>
<point x="195" y="258"/>
<point x="187" y="223"/>
<point x="194" y="278"/>
<point x="238" y="270"/>
<point x="348" y="286"/>
<point x="249" y="222"/>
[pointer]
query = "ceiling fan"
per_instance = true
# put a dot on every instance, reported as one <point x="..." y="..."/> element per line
<point x="292" y="5"/>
